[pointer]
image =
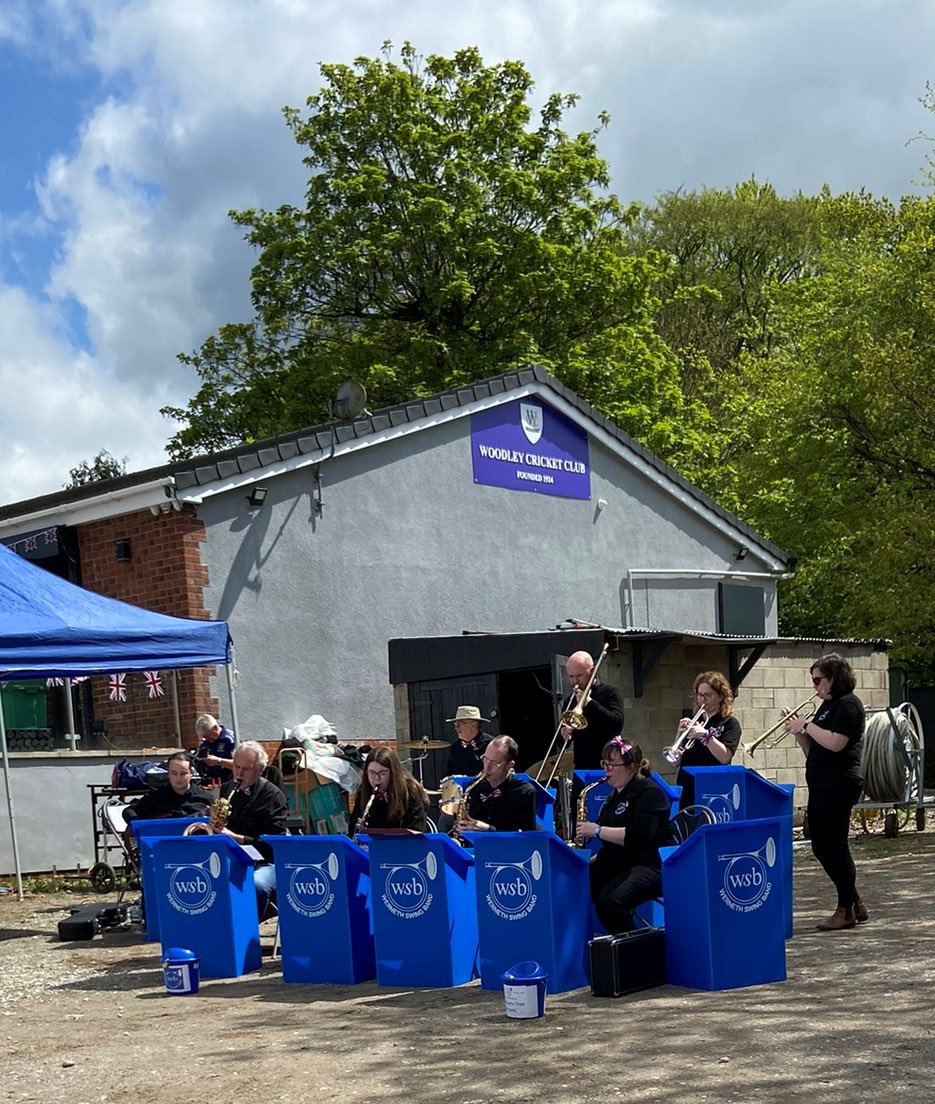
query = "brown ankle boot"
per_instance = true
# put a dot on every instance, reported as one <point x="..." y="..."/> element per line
<point x="840" y="919"/>
<point x="861" y="915"/>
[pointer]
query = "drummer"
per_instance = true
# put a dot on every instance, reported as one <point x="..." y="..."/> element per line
<point x="466" y="752"/>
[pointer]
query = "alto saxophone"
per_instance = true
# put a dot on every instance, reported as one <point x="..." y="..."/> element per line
<point x="462" y="813"/>
<point x="582" y="813"/>
<point x="220" y="811"/>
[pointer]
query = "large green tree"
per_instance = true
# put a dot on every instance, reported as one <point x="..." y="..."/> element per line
<point x="448" y="234"/>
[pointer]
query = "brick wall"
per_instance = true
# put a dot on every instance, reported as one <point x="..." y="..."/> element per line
<point x="164" y="574"/>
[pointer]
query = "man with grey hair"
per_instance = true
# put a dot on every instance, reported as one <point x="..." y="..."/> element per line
<point x="257" y="808"/>
<point x="215" y="750"/>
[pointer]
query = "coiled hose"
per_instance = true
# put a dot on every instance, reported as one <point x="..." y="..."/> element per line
<point x="890" y="735"/>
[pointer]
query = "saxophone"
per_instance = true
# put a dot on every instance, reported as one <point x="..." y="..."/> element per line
<point x="220" y="811"/>
<point x="365" y="816"/>
<point x="582" y="813"/>
<point x="462" y="812"/>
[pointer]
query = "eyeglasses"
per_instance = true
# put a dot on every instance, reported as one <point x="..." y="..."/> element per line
<point x="610" y="766"/>
<point x="705" y="697"/>
<point x="821" y="678"/>
<point x="493" y="762"/>
<point x="372" y="772"/>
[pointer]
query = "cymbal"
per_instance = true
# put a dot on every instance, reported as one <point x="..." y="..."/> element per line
<point x="565" y="763"/>
<point x="426" y="745"/>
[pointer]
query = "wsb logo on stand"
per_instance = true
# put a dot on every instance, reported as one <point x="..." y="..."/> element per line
<point x="191" y="885"/>
<point x="311" y="886"/>
<point x="511" y="892"/>
<point x="723" y="805"/>
<point x="406" y="892"/>
<point x="746" y="877"/>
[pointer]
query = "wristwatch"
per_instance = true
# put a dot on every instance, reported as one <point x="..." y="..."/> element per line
<point x="597" y="831"/>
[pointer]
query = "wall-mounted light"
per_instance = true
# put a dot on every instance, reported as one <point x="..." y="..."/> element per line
<point x="257" y="497"/>
<point x="741" y="553"/>
<point x="123" y="550"/>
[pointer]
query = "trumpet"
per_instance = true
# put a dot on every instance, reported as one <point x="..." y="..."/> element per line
<point x="572" y="718"/>
<point x="684" y="740"/>
<point x="754" y="744"/>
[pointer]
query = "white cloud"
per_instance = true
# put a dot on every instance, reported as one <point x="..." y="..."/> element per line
<point x="189" y="127"/>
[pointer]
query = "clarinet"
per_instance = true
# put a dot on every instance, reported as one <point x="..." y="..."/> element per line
<point x="365" y="816"/>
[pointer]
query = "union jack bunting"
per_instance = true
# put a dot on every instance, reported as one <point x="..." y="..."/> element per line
<point x="55" y="682"/>
<point x="118" y="688"/>
<point x="154" y="685"/>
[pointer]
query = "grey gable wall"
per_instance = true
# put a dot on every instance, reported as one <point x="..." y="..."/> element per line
<point x="409" y="546"/>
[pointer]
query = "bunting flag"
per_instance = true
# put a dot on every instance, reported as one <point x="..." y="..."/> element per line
<point x="118" y="688"/>
<point x="55" y="682"/>
<point x="154" y="685"/>
<point x="79" y="679"/>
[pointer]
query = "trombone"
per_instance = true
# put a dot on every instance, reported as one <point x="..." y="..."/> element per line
<point x="573" y="718"/>
<point x="754" y="744"/>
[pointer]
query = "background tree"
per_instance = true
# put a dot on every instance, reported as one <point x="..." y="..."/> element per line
<point x="445" y="237"/>
<point x="102" y="466"/>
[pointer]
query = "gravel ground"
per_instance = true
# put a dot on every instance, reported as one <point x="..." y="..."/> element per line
<point x="83" y="1022"/>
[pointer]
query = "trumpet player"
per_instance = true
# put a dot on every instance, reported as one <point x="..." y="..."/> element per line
<point x="632" y="825"/>
<point x="830" y="742"/>
<point x="399" y="799"/>
<point x="714" y="740"/>
<point x="502" y="802"/>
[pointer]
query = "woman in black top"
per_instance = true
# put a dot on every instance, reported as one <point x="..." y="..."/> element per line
<point x="716" y="739"/>
<point x="399" y="800"/>
<point x="632" y="825"/>
<point x="831" y="743"/>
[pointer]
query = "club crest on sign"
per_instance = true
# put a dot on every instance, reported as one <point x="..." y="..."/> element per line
<point x="530" y="417"/>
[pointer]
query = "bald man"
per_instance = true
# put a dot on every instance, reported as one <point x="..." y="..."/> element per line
<point x="603" y="712"/>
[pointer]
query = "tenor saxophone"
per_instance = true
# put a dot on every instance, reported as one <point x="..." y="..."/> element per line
<point x="220" y="811"/>
<point x="462" y="812"/>
<point x="582" y="813"/>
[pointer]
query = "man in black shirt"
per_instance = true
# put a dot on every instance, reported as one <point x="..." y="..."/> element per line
<point x="603" y="711"/>
<point x="502" y="802"/>
<point x="257" y="808"/>
<point x="467" y="749"/>
<point x="178" y="798"/>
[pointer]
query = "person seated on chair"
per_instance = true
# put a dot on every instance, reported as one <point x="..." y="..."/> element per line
<point x="257" y="808"/>
<point x="502" y="802"/>
<point x="216" y="750"/>
<point x="632" y="825"/>
<point x="389" y="796"/>
<point x="178" y="798"/>
<point x="467" y="749"/>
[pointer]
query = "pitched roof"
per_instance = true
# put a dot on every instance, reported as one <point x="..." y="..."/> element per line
<point x="245" y="463"/>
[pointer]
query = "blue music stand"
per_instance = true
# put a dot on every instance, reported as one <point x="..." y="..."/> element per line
<point x="207" y="903"/>
<point x="323" y="894"/>
<point x="724" y="892"/>
<point x="146" y="832"/>
<point x="533" y="902"/>
<point x="424" y="911"/>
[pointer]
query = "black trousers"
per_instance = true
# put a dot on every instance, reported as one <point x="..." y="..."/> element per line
<point x="616" y="893"/>
<point x="829" y="822"/>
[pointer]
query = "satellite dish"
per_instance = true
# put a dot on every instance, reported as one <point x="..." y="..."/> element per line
<point x="350" y="400"/>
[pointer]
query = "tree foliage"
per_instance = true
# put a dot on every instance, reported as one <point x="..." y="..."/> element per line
<point x="101" y="466"/>
<point x="447" y="235"/>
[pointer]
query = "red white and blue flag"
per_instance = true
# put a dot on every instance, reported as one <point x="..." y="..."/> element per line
<point x="118" y="688"/>
<point x="154" y="685"/>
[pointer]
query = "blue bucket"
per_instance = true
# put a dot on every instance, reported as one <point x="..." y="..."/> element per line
<point x="180" y="969"/>
<point x="524" y="988"/>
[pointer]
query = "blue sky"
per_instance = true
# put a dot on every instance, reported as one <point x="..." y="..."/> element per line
<point x="129" y="128"/>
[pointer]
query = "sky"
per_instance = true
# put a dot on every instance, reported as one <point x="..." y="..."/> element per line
<point x="129" y="129"/>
